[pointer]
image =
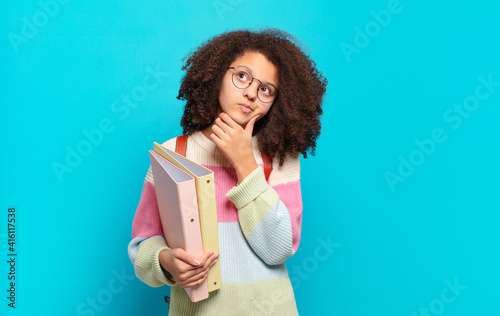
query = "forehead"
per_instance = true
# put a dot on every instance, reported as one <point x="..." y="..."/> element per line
<point x="260" y="67"/>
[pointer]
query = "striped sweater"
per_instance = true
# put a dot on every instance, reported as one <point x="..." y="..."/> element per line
<point x="259" y="226"/>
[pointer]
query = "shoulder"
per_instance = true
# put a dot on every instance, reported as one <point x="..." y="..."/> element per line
<point x="170" y="144"/>
<point x="288" y="172"/>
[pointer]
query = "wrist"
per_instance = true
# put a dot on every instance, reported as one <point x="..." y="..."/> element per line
<point x="163" y="258"/>
<point x="243" y="170"/>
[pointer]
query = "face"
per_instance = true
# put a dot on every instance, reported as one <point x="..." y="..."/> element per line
<point x="243" y="104"/>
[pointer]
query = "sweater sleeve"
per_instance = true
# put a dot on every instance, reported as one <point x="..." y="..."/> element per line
<point x="270" y="216"/>
<point x="147" y="239"/>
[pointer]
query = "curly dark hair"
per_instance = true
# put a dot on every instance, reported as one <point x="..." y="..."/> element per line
<point x="292" y="124"/>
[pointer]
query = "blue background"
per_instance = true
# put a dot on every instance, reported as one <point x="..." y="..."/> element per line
<point x="429" y="240"/>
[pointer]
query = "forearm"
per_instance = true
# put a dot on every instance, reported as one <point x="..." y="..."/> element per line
<point x="265" y="220"/>
<point x="244" y="169"/>
<point x="144" y="254"/>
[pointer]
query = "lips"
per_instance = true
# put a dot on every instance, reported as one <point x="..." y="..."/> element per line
<point x="245" y="108"/>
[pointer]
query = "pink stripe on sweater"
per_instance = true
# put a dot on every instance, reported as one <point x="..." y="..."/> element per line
<point x="147" y="217"/>
<point x="226" y="179"/>
<point x="289" y="193"/>
<point x="291" y="196"/>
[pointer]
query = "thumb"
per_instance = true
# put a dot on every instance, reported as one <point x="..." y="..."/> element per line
<point x="187" y="258"/>
<point x="251" y="123"/>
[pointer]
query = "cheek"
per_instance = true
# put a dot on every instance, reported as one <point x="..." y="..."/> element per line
<point x="265" y="109"/>
<point x="225" y="93"/>
<point x="223" y="98"/>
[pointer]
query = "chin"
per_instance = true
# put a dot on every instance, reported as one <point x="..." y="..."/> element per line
<point x="241" y="120"/>
<point x="242" y="123"/>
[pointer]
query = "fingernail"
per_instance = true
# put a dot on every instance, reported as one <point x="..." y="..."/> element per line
<point x="197" y="262"/>
<point x="214" y="261"/>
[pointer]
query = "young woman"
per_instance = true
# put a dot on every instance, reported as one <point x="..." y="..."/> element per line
<point x="250" y="96"/>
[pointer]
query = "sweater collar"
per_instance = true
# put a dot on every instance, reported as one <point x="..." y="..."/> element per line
<point x="205" y="143"/>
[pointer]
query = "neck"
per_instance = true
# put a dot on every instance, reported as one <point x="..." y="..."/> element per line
<point x="207" y="132"/>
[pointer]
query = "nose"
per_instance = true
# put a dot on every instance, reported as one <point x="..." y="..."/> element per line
<point x="252" y="90"/>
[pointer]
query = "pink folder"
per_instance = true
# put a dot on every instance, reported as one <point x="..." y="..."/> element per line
<point x="178" y="205"/>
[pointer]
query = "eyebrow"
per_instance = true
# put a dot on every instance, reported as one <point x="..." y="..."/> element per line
<point x="250" y="71"/>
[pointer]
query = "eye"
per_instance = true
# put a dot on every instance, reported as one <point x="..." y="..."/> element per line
<point x="267" y="90"/>
<point x="242" y="76"/>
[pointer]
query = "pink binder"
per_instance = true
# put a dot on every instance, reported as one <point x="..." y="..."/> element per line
<point x="178" y="206"/>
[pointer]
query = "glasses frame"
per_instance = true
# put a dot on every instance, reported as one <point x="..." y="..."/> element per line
<point x="250" y="83"/>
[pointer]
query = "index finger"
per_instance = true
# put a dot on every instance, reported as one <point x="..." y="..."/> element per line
<point x="187" y="257"/>
<point x="206" y="261"/>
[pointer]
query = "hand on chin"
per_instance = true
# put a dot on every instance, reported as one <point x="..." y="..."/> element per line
<point x="235" y="142"/>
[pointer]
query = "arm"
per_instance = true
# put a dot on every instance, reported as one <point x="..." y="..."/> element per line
<point x="271" y="216"/>
<point x="154" y="262"/>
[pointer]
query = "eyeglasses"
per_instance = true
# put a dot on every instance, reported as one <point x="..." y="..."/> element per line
<point x="242" y="79"/>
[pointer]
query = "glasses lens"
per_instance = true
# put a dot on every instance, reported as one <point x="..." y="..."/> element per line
<point x="241" y="78"/>
<point x="267" y="92"/>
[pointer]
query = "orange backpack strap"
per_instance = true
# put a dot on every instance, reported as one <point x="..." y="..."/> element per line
<point x="181" y="145"/>
<point x="268" y="165"/>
